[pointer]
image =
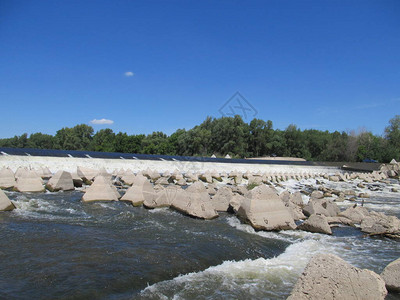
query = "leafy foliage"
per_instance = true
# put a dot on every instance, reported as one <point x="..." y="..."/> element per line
<point x="226" y="135"/>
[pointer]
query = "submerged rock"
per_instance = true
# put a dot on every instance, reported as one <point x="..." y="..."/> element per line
<point x="328" y="276"/>
<point x="391" y="276"/>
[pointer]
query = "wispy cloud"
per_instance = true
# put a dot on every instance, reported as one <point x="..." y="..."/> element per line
<point x="102" y="122"/>
<point x="129" y="74"/>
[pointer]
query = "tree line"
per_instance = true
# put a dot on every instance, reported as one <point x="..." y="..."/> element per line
<point x="227" y="135"/>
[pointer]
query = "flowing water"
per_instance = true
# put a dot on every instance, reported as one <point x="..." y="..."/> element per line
<point x="53" y="246"/>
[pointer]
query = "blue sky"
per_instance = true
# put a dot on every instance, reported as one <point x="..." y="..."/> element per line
<point x="164" y="65"/>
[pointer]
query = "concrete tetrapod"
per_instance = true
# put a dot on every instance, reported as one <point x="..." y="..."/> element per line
<point x="264" y="210"/>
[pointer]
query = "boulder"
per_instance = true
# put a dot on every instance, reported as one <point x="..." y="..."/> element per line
<point x="128" y="177"/>
<point x="294" y="209"/>
<point x="317" y="195"/>
<point x="138" y="192"/>
<point x="195" y="202"/>
<point x="61" y="181"/>
<point x="379" y="223"/>
<point x="181" y="182"/>
<point x="328" y="276"/>
<point x="101" y="190"/>
<point x="334" y="178"/>
<point x="206" y="177"/>
<point x="29" y="181"/>
<point x="7" y="179"/>
<point x="355" y="214"/>
<point x="321" y="206"/>
<point x="391" y="276"/>
<point x="78" y="182"/>
<point x="44" y="173"/>
<point x="235" y="202"/>
<point x="222" y="198"/>
<point x="316" y="223"/>
<point x="161" y="196"/>
<point x="5" y="203"/>
<point x="264" y="210"/>
<point x="339" y="220"/>
<point x="162" y="181"/>
<point x="87" y="174"/>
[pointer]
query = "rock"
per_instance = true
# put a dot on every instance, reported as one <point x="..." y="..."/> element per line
<point x="29" y="181"/>
<point x="78" y="182"/>
<point x="222" y="199"/>
<point x="322" y="207"/>
<point x="394" y="190"/>
<point x="361" y="186"/>
<point x="45" y="173"/>
<point x="294" y="209"/>
<point x="181" y="182"/>
<point x="236" y="202"/>
<point x="128" y="177"/>
<point x="195" y="202"/>
<point x="5" y="203"/>
<point x="7" y="179"/>
<point x="317" y="195"/>
<point x="297" y="199"/>
<point x="316" y="223"/>
<point x="334" y="178"/>
<point x="379" y="223"/>
<point x="349" y="193"/>
<point x="363" y="195"/>
<point x="264" y="210"/>
<point x="101" y="190"/>
<point x="138" y="192"/>
<point x="162" y="181"/>
<point x="339" y="220"/>
<point x="61" y="181"/>
<point x="391" y="276"/>
<point x="355" y="214"/>
<point x="86" y="174"/>
<point x="328" y="276"/>
<point x="161" y="196"/>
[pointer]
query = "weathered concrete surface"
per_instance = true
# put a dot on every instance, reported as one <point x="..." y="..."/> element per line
<point x="264" y="210"/>
<point x="5" y="203"/>
<point x="391" y="276"/>
<point x="61" y="181"/>
<point x="7" y="179"/>
<point x="328" y="276"/>
<point x="70" y="164"/>
<point x="101" y="190"/>
<point x="316" y="223"/>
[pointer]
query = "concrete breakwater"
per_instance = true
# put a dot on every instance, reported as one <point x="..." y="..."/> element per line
<point x="256" y="197"/>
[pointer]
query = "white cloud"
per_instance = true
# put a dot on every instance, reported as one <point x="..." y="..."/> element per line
<point x="129" y="74"/>
<point x="101" y="122"/>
